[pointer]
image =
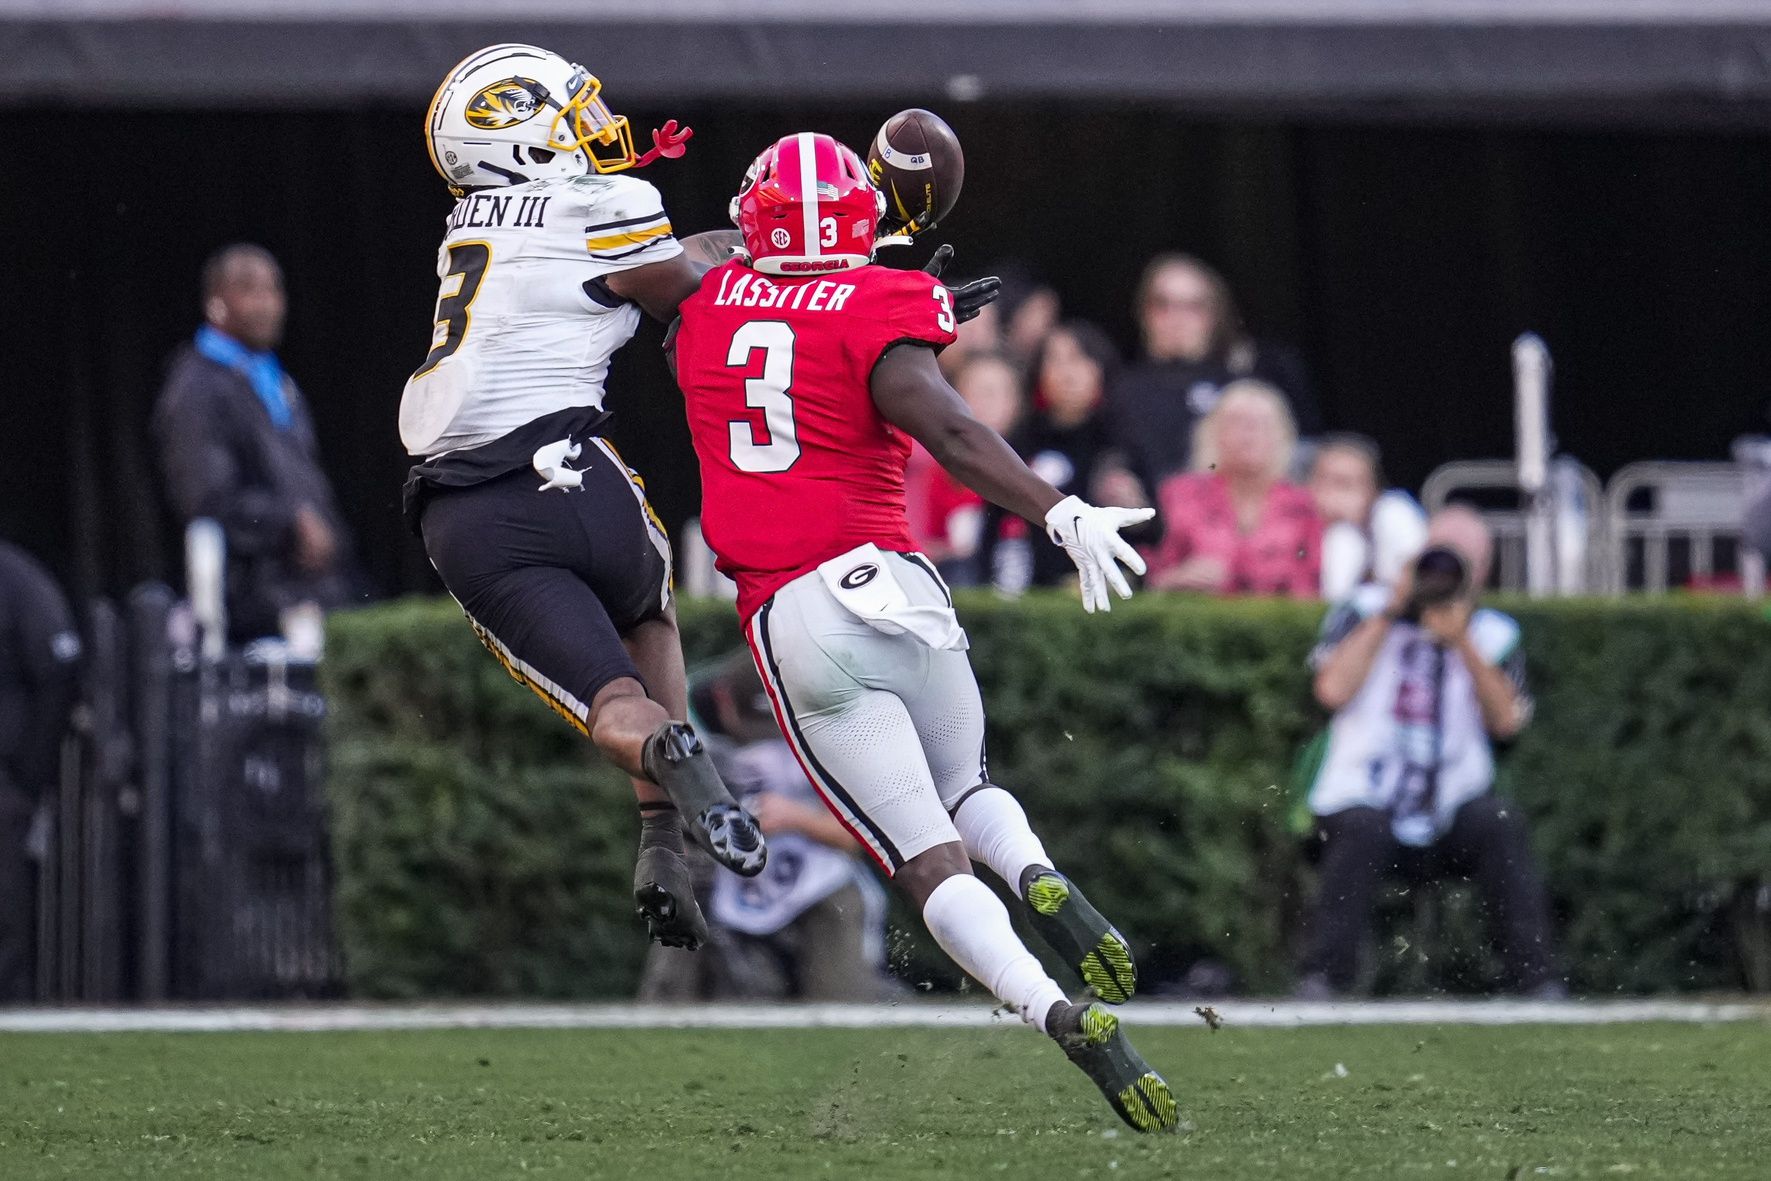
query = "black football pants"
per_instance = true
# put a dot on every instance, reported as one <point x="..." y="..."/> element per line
<point x="1487" y="843"/>
<point x="552" y="580"/>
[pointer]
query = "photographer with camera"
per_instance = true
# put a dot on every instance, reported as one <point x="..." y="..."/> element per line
<point x="1422" y="681"/>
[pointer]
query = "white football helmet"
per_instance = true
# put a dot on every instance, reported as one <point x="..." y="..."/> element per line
<point x="510" y="114"/>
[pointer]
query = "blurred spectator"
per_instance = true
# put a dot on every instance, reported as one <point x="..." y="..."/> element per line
<point x="1194" y="347"/>
<point x="811" y="926"/>
<point x="1030" y="310"/>
<point x="39" y="668"/>
<point x="237" y="445"/>
<point x="1422" y="681"/>
<point x="1234" y="526"/>
<point x="946" y="517"/>
<point x="1065" y="439"/>
<point x="1368" y="535"/>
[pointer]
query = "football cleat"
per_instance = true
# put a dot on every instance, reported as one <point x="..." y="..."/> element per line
<point x="675" y="760"/>
<point x="1078" y="933"/>
<point x="664" y="896"/>
<point x="1090" y="1037"/>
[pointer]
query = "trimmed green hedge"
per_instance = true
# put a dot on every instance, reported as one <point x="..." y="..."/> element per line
<point x="483" y="849"/>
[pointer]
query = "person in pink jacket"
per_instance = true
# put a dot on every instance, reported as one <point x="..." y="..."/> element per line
<point x="1234" y="525"/>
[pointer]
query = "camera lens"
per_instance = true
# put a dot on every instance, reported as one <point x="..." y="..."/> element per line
<point x="1440" y="576"/>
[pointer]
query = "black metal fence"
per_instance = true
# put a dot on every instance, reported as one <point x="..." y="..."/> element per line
<point x="185" y="854"/>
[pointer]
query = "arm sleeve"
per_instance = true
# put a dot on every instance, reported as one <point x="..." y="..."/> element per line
<point x="49" y="647"/>
<point x="203" y="478"/>
<point x="625" y="226"/>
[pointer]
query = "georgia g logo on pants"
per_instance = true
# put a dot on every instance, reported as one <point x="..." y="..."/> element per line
<point x="858" y="577"/>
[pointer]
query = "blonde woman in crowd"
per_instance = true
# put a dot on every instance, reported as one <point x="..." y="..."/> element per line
<point x="1234" y="525"/>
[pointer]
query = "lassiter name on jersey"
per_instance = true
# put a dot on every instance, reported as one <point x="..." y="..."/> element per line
<point x="524" y="324"/>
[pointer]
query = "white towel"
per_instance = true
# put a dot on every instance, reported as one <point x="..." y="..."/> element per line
<point x="863" y="582"/>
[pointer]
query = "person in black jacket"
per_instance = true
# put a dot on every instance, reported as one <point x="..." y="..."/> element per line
<point x="237" y="445"/>
<point x="1194" y="346"/>
<point x="1066" y="440"/>
<point x="39" y="670"/>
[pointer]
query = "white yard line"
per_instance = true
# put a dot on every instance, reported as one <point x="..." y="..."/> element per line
<point x="1236" y="1014"/>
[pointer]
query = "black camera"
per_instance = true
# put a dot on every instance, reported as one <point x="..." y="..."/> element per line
<point x="1440" y="576"/>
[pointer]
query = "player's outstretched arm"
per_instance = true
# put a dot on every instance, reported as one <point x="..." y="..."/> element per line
<point x="712" y="247"/>
<point x="913" y="396"/>
<point x="660" y="287"/>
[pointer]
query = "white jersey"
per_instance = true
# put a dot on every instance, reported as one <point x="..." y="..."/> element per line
<point x="524" y="328"/>
<point x="1411" y="742"/>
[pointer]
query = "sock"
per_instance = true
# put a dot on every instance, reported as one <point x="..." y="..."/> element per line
<point x="660" y="825"/>
<point x="994" y="827"/>
<point x="971" y="925"/>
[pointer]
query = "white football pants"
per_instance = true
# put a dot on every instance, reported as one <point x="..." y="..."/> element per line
<point x="889" y="730"/>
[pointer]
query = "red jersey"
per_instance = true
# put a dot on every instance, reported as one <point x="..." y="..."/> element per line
<point x="797" y="466"/>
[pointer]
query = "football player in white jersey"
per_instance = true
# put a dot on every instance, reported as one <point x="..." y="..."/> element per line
<point x="536" y="526"/>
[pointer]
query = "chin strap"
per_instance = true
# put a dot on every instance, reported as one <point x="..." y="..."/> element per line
<point x="668" y="143"/>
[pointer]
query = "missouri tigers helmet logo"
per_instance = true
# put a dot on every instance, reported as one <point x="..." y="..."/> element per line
<point x="504" y="104"/>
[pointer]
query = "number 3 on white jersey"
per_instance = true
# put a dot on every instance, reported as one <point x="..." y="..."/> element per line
<point x="767" y="393"/>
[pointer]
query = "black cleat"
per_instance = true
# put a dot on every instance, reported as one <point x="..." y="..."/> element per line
<point x="1078" y="933"/>
<point x="675" y="760"/>
<point x="731" y="834"/>
<point x="664" y="896"/>
<point x="1090" y="1037"/>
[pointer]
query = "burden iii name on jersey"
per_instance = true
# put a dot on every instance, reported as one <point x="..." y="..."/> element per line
<point x="524" y="324"/>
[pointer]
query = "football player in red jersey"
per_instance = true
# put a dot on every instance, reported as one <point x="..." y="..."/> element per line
<point x="807" y="371"/>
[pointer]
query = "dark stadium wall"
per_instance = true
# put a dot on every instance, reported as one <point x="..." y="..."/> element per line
<point x="1401" y="259"/>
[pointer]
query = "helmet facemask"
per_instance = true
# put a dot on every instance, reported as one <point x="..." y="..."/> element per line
<point x="585" y="123"/>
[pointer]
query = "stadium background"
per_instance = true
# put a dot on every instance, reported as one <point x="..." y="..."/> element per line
<point x="1398" y="187"/>
<point x="1399" y="197"/>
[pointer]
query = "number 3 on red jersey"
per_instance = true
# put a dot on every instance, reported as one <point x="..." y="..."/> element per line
<point x="770" y="392"/>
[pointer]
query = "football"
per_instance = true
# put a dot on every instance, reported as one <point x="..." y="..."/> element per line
<point x="917" y="163"/>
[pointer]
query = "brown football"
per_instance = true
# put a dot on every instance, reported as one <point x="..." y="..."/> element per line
<point x="916" y="162"/>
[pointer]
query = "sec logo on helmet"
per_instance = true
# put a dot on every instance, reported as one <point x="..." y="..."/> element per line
<point x="503" y="104"/>
<point x="780" y="237"/>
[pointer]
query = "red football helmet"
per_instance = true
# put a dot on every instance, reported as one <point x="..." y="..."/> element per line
<point x="807" y="207"/>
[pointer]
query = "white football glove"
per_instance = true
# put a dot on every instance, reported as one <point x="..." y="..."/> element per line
<point x="1090" y="535"/>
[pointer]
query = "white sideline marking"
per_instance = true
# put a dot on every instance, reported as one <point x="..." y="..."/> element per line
<point x="1236" y="1014"/>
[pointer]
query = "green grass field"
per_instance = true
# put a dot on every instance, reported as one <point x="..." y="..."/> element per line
<point x="1442" y="1102"/>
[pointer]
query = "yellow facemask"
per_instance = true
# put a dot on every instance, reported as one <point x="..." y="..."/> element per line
<point x="585" y="121"/>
